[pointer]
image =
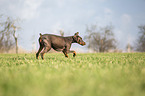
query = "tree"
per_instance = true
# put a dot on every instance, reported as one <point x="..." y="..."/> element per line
<point x="100" y="39"/>
<point x="129" y="48"/>
<point x="8" y="30"/>
<point x="140" y="44"/>
<point x="61" y="32"/>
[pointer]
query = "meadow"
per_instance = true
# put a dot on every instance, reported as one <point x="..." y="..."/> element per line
<point x="88" y="74"/>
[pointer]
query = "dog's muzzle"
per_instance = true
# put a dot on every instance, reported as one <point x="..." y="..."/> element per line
<point x="82" y="43"/>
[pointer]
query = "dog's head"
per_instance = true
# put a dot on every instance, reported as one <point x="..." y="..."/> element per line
<point x="78" y="39"/>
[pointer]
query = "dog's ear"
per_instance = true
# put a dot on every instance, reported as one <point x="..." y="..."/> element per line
<point x="76" y="34"/>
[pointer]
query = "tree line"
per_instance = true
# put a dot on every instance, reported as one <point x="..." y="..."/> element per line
<point x="8" y="38"/>
<point x="99" y="39"/>
<point x="102" y="39"/>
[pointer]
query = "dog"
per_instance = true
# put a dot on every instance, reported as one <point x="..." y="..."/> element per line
<point x="58" y="43"/>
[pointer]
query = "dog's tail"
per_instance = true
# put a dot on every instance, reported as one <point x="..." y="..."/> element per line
<point x="40" y="38"/>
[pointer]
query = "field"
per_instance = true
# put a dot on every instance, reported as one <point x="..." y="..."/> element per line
<point x="89" y="74"/>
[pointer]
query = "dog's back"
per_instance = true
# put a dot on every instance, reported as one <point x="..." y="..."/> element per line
<point x="53" y="41"/>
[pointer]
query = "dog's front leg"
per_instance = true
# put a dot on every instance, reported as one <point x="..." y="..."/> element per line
<point x="65" y="53"/>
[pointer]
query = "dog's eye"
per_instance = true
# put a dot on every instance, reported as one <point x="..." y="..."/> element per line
<point x="79" y="40"/>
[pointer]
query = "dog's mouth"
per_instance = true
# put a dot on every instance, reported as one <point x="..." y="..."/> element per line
<point x="82" y="43"/>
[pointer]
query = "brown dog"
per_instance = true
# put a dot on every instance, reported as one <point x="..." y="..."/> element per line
<point x="58" y="43"/>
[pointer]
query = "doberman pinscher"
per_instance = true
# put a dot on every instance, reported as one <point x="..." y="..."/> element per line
<point x="58" y="43"/>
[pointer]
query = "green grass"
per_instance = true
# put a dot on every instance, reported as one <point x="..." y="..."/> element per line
<point x="90" y="74"/>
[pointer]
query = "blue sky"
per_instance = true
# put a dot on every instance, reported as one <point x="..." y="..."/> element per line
<point x="50" y="16"/>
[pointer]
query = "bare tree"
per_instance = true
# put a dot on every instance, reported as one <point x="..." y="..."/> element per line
<point x="61" y="32"/>
<point x="140" y="44"/>
<point x="100" y="39"/>
<point x="8" y="30"/>
<point x="6" y="41"/>
<point x="129" y="48"/>
<point x="14" y="35"/>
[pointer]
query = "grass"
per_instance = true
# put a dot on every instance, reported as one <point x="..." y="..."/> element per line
<point x="89" y="74"/>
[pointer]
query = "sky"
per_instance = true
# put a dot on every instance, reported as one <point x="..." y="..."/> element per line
<point x="50" y="16"/>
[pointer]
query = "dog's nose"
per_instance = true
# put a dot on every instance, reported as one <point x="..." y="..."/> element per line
<point x="83" y="43"/>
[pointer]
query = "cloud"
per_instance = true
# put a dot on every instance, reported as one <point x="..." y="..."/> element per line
<point x="60" y="3"/>
<point x="126" y="19"/>
<point x="126" y="23"/>
<point x="124" y="33"/>
<point x="104" y="18"/>
<point x="108" y="11"/>
<point x="29" y="9"/>
<point x="102" y="0"/>
<point x="108" y="14"/>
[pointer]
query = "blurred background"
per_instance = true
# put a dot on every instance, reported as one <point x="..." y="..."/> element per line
<point x="105" y="25"/>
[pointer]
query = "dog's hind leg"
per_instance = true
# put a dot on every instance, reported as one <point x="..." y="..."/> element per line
<point x="41" y="46"/>
<point x="40" y="49"/>
<point x="46" y="49"/>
